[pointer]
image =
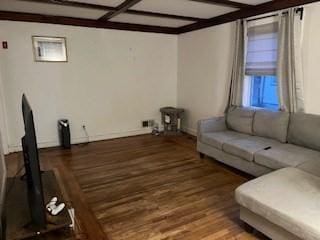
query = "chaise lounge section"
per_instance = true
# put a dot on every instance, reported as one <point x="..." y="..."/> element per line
<point x="284" y="203"/>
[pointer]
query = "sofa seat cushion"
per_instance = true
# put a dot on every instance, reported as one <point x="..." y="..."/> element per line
<point x="312" y="167"/>
<point x="285" y="155"/>
<point x="217" y="139"/>
<point x="289" y="198"/>
<point x="247" y="147"/>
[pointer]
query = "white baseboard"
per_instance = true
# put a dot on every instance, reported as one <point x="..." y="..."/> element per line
<point x="190" y="131"/>
<point x="92" y="138"/>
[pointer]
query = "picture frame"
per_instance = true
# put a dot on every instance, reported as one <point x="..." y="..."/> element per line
<point x="49" y="49"/>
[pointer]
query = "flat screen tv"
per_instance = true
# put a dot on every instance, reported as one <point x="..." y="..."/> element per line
<point x="32" y="169"/>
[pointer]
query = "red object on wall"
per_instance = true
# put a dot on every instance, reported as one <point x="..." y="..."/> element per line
<point x="5" y="45"/>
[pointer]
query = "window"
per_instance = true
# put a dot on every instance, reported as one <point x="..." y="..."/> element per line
<point x="261" y="83"/>
<point x="263" y="92"/>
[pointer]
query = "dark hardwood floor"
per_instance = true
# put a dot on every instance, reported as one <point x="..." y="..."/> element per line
<point x="146" y="187"/>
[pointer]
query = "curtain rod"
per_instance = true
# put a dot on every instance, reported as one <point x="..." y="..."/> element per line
<point x="258" y="18"/>
<point x="300" y="9"/>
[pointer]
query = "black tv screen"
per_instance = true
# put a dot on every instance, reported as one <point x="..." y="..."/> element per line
<point x="32" y="169"/>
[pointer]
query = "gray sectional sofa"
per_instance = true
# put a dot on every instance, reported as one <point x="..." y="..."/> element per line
<point x="260" y="141"/>
<point x="283" y="151"/>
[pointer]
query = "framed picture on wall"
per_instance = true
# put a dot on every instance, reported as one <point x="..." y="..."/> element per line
<point x="49" y="49"/>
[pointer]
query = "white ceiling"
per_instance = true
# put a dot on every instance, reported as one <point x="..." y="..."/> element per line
<point x="49" y="9"/>
<point x="146" y="20"/>
<point x="183" y="7"/>
<point x="114" y="3"/>
<point x="176" y="7"/>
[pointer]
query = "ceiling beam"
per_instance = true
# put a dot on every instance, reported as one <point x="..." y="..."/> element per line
<point x="245" y="13"/>
<point x="225" y="3"/>
<point x="113" y="9"/>
<point x="74" y="4"/>
<point x="164" y="15"/>
<point x="40" y="18"/>
<point x="120" y="9"/>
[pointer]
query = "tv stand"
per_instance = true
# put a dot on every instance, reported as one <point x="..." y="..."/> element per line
<point x="24" y="176"/>
<point x="17" y="209"/>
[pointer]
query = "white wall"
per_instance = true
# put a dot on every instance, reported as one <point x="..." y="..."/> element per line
<point x="3" y="120"/>
<point x="205" y="61"/>
<point x="112" y="81"/>
<point x="311" y="58"/>
<point x="204" y="71"/>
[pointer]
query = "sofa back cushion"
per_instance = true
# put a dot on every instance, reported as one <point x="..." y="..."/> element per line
<point x="271" y="124"/>
<point x="304" y="130"/>
<point x="240" y="120"/>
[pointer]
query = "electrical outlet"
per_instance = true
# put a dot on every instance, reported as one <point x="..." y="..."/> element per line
<point x="148" y="123"/>
<point x="145" y="123"/>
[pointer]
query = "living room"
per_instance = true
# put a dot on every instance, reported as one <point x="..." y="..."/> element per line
<point x="245" y="74"/>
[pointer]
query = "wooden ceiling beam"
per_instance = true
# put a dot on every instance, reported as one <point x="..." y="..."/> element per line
<point x="113" y="9"/>
<point x="81" y="22"/>
<point x="164" y="15"/>
<point x="263" y="8"/>
<point x="225" y="3"/>
<point x="74" y="4"/>
<point x="120" y="9"/>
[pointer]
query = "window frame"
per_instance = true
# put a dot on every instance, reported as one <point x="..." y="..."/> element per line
<point x="248" y="79"/>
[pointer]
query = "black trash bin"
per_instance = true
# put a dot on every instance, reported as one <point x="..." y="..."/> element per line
<point x="64" y="133"/>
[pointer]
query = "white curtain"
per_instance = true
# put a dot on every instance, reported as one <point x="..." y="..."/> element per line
<point x="289" y="62"/>
<point x="238" y="66"/>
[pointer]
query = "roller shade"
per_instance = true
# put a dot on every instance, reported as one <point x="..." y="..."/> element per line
<point x="262" y="49"/>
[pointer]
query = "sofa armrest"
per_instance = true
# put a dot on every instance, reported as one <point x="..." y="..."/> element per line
<point x="216" y="124"/>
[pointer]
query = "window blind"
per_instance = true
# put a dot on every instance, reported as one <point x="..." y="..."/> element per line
<point x="262" y="49"/>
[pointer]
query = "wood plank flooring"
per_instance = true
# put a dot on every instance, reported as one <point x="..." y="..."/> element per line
<point x="146" y="188"/>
